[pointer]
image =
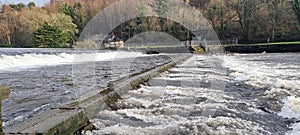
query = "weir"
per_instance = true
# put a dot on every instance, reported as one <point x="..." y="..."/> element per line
<point x="202" y="95"/>
<point x="69" y="118"/>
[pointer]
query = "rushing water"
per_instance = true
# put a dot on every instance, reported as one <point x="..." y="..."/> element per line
<point x="42" y="79"/>
<point x="213" y="94"/>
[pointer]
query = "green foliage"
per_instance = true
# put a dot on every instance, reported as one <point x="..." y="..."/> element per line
<point x="79" y="16"/>
<point x="49" y="36"/>
<point x="77" y="13"/>
<point x="7" y="46"/>
<point x="21" y="5"/>
<point x="198" y="50"/>
<point x="17" y="7"/>
<point x="31" y="4"/>
<point x="66" y="9"/>
<point x="280" y="43"/>
<point x="65" y="23"/>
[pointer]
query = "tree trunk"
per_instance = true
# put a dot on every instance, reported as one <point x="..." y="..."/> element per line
<point x="296" y="8"/>
<point x="8" y="38"/>
<point x="273" y="30"/>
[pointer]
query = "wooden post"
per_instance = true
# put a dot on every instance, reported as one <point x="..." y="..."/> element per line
<point x="4" y="94"/>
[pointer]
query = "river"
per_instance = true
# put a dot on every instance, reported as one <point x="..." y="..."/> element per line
<point x="256" y="94"/>
<point x="207" y="94"/>
<point x="43" y="79"/>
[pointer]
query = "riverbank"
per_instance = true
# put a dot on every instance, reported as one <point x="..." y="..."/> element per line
<point x="158" y="49"/>
<point x="280" y="47"/>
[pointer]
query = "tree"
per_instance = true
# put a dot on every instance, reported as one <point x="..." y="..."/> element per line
<point x="245" y="9"/>
<point x="53" y="6"/>
<point x="142" y="9"/>
<point x="65" y="23"/>
<point x="79" y="16"/>
<point x="77" y="13"/>
<point x="274" y="10"/>
<point x="8" y="21"/>
<point x="199" y="4"/>
<point x="162" y="6"/>
<point x="18" y="6"/>
<point x="31" y="5"/>
<point x="66" y="9"/>
<point x="218" y="14"/>
<point x="50" y="36"/>
<point x="296" y="8"/>
<point x="1" y="7"/>
<point x="93" y="7"/>
<point x="21" y="5"/>
<point x="17" y="27"/>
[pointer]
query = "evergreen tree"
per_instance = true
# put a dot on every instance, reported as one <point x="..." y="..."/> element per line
<point x="77" y="13"/>
<point x="31" y="4"/>
<point x="79" y="16"/>
<point x="66" y="9"/>
<point x="49" y="36"/>
<point x="17" y="7"/>
<point x="21" y="5"/>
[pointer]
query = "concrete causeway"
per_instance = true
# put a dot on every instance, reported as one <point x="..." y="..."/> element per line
<point x="73" y="116"/>
<point x="198" y="96"/>
<point x="170" y="98"/>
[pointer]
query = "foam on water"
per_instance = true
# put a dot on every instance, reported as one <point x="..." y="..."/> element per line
<point x="277" y="73"/>
<point x="31" y="60"/>
<point x="262" y="74"/>
<point x="139" y="101"/>
<point x="174" y="124"/>
<point x="291" y="108"/>
<point x="295" y="131"/>
<point x="179" y="110"/>
<point x="174" y="104"/>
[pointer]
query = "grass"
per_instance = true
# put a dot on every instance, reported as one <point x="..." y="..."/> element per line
<point x="151" y="47"/>
<point x="198" y="50"/>
<point x="279" y="43"/>
<point x="7" y="46"/>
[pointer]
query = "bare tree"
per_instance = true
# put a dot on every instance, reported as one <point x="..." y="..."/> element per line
<point x="274" y="10"/>
<point x="199" y="4"/>
<point x="245" y="10"/>
<point x="219" y="14"/>
<point x="296" y="8"/>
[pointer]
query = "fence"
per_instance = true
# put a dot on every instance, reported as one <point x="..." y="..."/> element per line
<point x="217" y="46"/>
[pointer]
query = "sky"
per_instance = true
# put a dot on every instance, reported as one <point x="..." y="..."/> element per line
<point x="37" y="2"/>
